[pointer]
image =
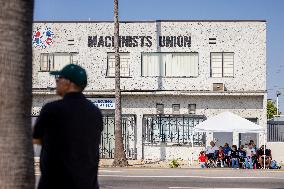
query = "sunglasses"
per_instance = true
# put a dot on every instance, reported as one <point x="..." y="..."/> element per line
<point x="59" y="77"/>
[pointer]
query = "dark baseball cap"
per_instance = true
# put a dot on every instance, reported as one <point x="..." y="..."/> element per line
<point x="74" y="73"/>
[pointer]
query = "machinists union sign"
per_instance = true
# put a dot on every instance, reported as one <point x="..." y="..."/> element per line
<point x="104" y="103"/>
<point x="139" y="41"/>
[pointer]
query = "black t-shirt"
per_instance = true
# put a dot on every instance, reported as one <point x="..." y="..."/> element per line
<point x="242" y="153"/>
<point x="234" y="154"/>
<point x="70" y="129"/>
<point x="260" y="152"/>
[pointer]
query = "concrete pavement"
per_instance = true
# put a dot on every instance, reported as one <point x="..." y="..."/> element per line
<point x="136" y="178"/>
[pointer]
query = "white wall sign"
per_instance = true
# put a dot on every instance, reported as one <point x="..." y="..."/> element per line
<point x="104" y="103"/>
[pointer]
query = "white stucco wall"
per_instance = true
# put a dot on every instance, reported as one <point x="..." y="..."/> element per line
<point x="246" y="106"/>
<point x="246" y="91"/>
<point x="246" y="39"/>
<point x="277" y="152"/>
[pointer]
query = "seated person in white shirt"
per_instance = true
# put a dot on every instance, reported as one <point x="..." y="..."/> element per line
<point x="210" y="151"/>
<point x="250" y="155"/>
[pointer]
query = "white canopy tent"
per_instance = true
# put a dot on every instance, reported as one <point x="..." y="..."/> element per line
<point x="229" y="122"/>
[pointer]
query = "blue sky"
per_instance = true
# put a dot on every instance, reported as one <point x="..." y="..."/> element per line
<point x="270" y="10"/>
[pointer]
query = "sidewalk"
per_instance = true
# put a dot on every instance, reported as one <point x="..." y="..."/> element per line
<point x="104" y="163"/>
<point x="151" y="163"/>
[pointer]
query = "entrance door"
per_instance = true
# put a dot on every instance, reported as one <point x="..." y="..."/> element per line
<point x="128" y="135"/>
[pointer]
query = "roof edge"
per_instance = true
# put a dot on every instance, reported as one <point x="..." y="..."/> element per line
<point x="139" y="21"/>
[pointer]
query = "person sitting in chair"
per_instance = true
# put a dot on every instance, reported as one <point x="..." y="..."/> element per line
<point x="261" y="155"/>
<point x="235" y="157"/>
<point x="242" y="157"/>
<point x="250" y="156"/>
<point x="211" y="155"/>
<point x="211" y="151"/>
<point x="227" y="152"/>
<point x="220" y="157"/>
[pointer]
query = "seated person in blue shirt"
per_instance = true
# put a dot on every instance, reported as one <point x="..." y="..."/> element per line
<point x="227" y="151"/>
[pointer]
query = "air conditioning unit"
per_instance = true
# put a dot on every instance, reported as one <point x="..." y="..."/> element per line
<point x="218" y="87"/>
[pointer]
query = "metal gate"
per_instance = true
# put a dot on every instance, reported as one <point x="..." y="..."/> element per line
<point x="128" y="135"/>
<point x="174" y="130"/>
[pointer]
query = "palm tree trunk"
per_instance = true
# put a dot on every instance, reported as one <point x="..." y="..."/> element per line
<point x="119" y="154"/>
<point x="16" y="151"/>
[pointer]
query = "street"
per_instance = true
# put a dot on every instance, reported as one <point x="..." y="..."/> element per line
<point x="136" y="178"/>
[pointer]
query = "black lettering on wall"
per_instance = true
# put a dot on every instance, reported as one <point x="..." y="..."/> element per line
<point x="124" y="41"/>
<point x="112" y="41"/>
<point x="92" y="41"/>
<point x="149" y="41"/>
<point x="180" y="41"/>
<point x="161" y="41"/>
<point x="119" y="41"/>
<point x="101" y="42"/>
<point x="169" y="41"/>
<point x="108" y="41"/>
<point x="142" y="41"/>
<point x="174" y="41"/>
<point x="129" y="40"/>
<point x="187" y="41"/>
<point x="136" y="41"/>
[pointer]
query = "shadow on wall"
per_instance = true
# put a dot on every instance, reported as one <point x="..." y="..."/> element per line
<point x="160" y="81"/>
<point x="163" y="154"/>
<point x="202" y="102"/>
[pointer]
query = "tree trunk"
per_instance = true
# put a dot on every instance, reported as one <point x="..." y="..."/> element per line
<point x="16" y="151"/>
<point x="119" y="154"/>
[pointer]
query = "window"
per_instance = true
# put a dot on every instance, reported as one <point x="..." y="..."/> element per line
<point x="56" y="61"/>
<point x="176" y="108"/>
<point x="124" y="64"/>
<point x="170" y="64"/>
<point x="45" y="61"/>
<point x="191" y="108"/>
<point x="172" y="130"/>
<point x="222" y="64"/>
<point x="160" y="108"/>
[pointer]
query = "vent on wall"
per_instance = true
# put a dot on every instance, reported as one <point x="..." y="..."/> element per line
<point x="212" y="40"/>
<point x="218" y="87"/>
<point x="176" y="108"/>
<point x="192" y="108"/>
<point x="160" y="108"/>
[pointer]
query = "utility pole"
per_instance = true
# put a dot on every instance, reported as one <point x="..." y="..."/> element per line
<point x="119" y="153"/>
<point x="278" y="93"/>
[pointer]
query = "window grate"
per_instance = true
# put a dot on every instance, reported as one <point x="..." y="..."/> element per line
<point x="172" y="130"/>
<point x="124" y="64"/>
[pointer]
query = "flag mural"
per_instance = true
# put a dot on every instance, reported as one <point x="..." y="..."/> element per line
<point x="42" y="38"/>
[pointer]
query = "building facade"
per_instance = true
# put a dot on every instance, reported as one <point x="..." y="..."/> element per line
<point x="174" y="74"/>
<point x="275" y="137"/>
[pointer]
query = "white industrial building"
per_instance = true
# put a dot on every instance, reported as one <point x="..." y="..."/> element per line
<point x="174" y="74"/>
